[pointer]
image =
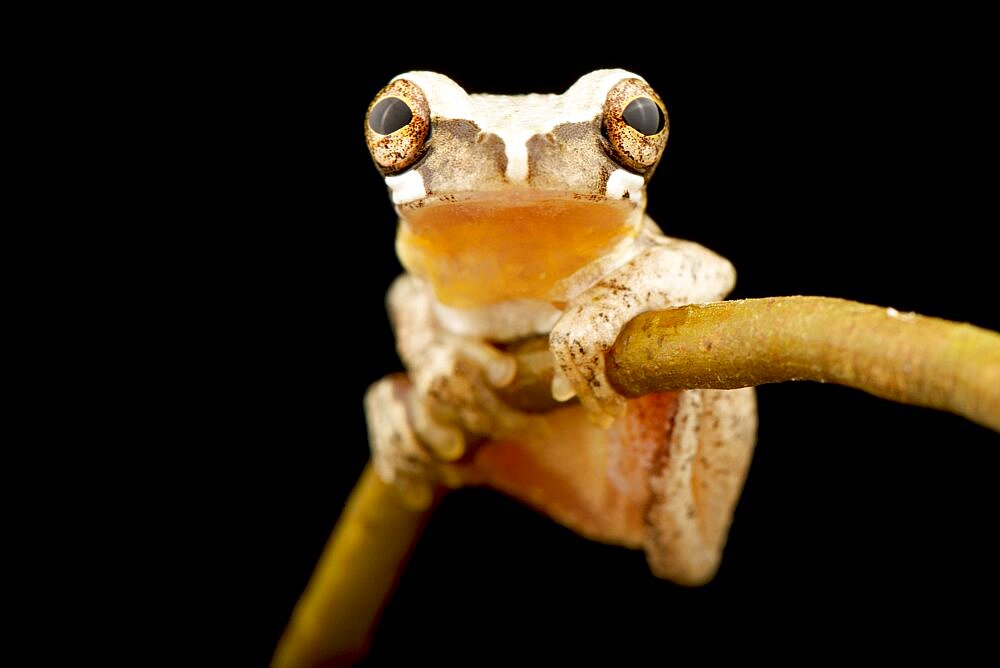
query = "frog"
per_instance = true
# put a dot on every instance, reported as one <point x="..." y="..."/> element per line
<point x="520" y="218"/>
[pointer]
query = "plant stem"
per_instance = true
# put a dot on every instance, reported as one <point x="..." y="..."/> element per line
<point x="905" y="357"/>
<point x="333" y="621"/>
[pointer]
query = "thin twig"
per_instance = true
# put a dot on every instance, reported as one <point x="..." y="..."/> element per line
<point x="905" y="357"/>
<point x="333" y="621"/>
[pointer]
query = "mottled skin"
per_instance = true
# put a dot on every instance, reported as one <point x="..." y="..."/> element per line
<point x="522" y="216"/>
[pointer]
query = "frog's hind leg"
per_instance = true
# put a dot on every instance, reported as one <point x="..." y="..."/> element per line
<point x="696" y="483"/>
<point x="665" y="477"/>
<point x="592" y="480"/>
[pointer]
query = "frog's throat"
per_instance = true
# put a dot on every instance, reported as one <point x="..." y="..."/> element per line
<point x="476" y="251"/>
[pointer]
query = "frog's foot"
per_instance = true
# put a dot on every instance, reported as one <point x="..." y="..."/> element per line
<point x="414" y="427"/>
<point x="456" y="388"/>
<point x="398" y="455"/>
<point x="579" y="343"/>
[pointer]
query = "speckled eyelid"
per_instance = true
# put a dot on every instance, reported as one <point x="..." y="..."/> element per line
<point x="631" y="148"/>
<point x="405" y="139"/>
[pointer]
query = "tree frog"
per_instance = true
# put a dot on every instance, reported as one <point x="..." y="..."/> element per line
<point x="522" y="216"/>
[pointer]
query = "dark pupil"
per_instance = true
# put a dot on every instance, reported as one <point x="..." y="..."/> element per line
<point x="389" y="115"/>
<point x="644" y="115"/>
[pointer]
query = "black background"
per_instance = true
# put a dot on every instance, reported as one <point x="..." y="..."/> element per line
<point x="847" y="158"/>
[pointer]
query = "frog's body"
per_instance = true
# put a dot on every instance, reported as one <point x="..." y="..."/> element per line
<point x="522" y="216"/>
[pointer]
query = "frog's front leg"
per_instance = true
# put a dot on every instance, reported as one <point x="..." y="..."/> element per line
<point x="665" y="273"/>
<point x="417" y="421"/>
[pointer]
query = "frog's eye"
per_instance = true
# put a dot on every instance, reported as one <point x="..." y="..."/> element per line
<point x="397" y="125"/>
<point x="635" y="124"/>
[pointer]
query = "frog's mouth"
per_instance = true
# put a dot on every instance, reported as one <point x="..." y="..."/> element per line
<point x="482" y="248"/>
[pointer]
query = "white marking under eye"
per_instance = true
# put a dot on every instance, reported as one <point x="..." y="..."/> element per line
<point x="406" y="187"/>
<point x="623" y="181"/>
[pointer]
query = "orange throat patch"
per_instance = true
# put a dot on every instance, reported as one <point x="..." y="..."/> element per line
<point x="492" y="247"/>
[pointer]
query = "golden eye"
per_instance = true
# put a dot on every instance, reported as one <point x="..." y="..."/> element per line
<point x="635" y="124"/>
<point x="397" y="125"/>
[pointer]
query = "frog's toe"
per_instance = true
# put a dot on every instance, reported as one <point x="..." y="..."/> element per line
<point x="562" y="389"/>
<point x="446" y="441"/>
<point x="499" y="368"/>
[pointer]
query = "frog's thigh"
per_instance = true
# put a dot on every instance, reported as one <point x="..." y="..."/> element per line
<point x="594" y="481"/>
<point x="664" y="477"/>
<point x="698" y="482"/>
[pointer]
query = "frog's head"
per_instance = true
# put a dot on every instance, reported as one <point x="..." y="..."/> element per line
<point x="506" y="197"/>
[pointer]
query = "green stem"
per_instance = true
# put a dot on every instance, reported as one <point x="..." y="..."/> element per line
<point x="905" y="357"/>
